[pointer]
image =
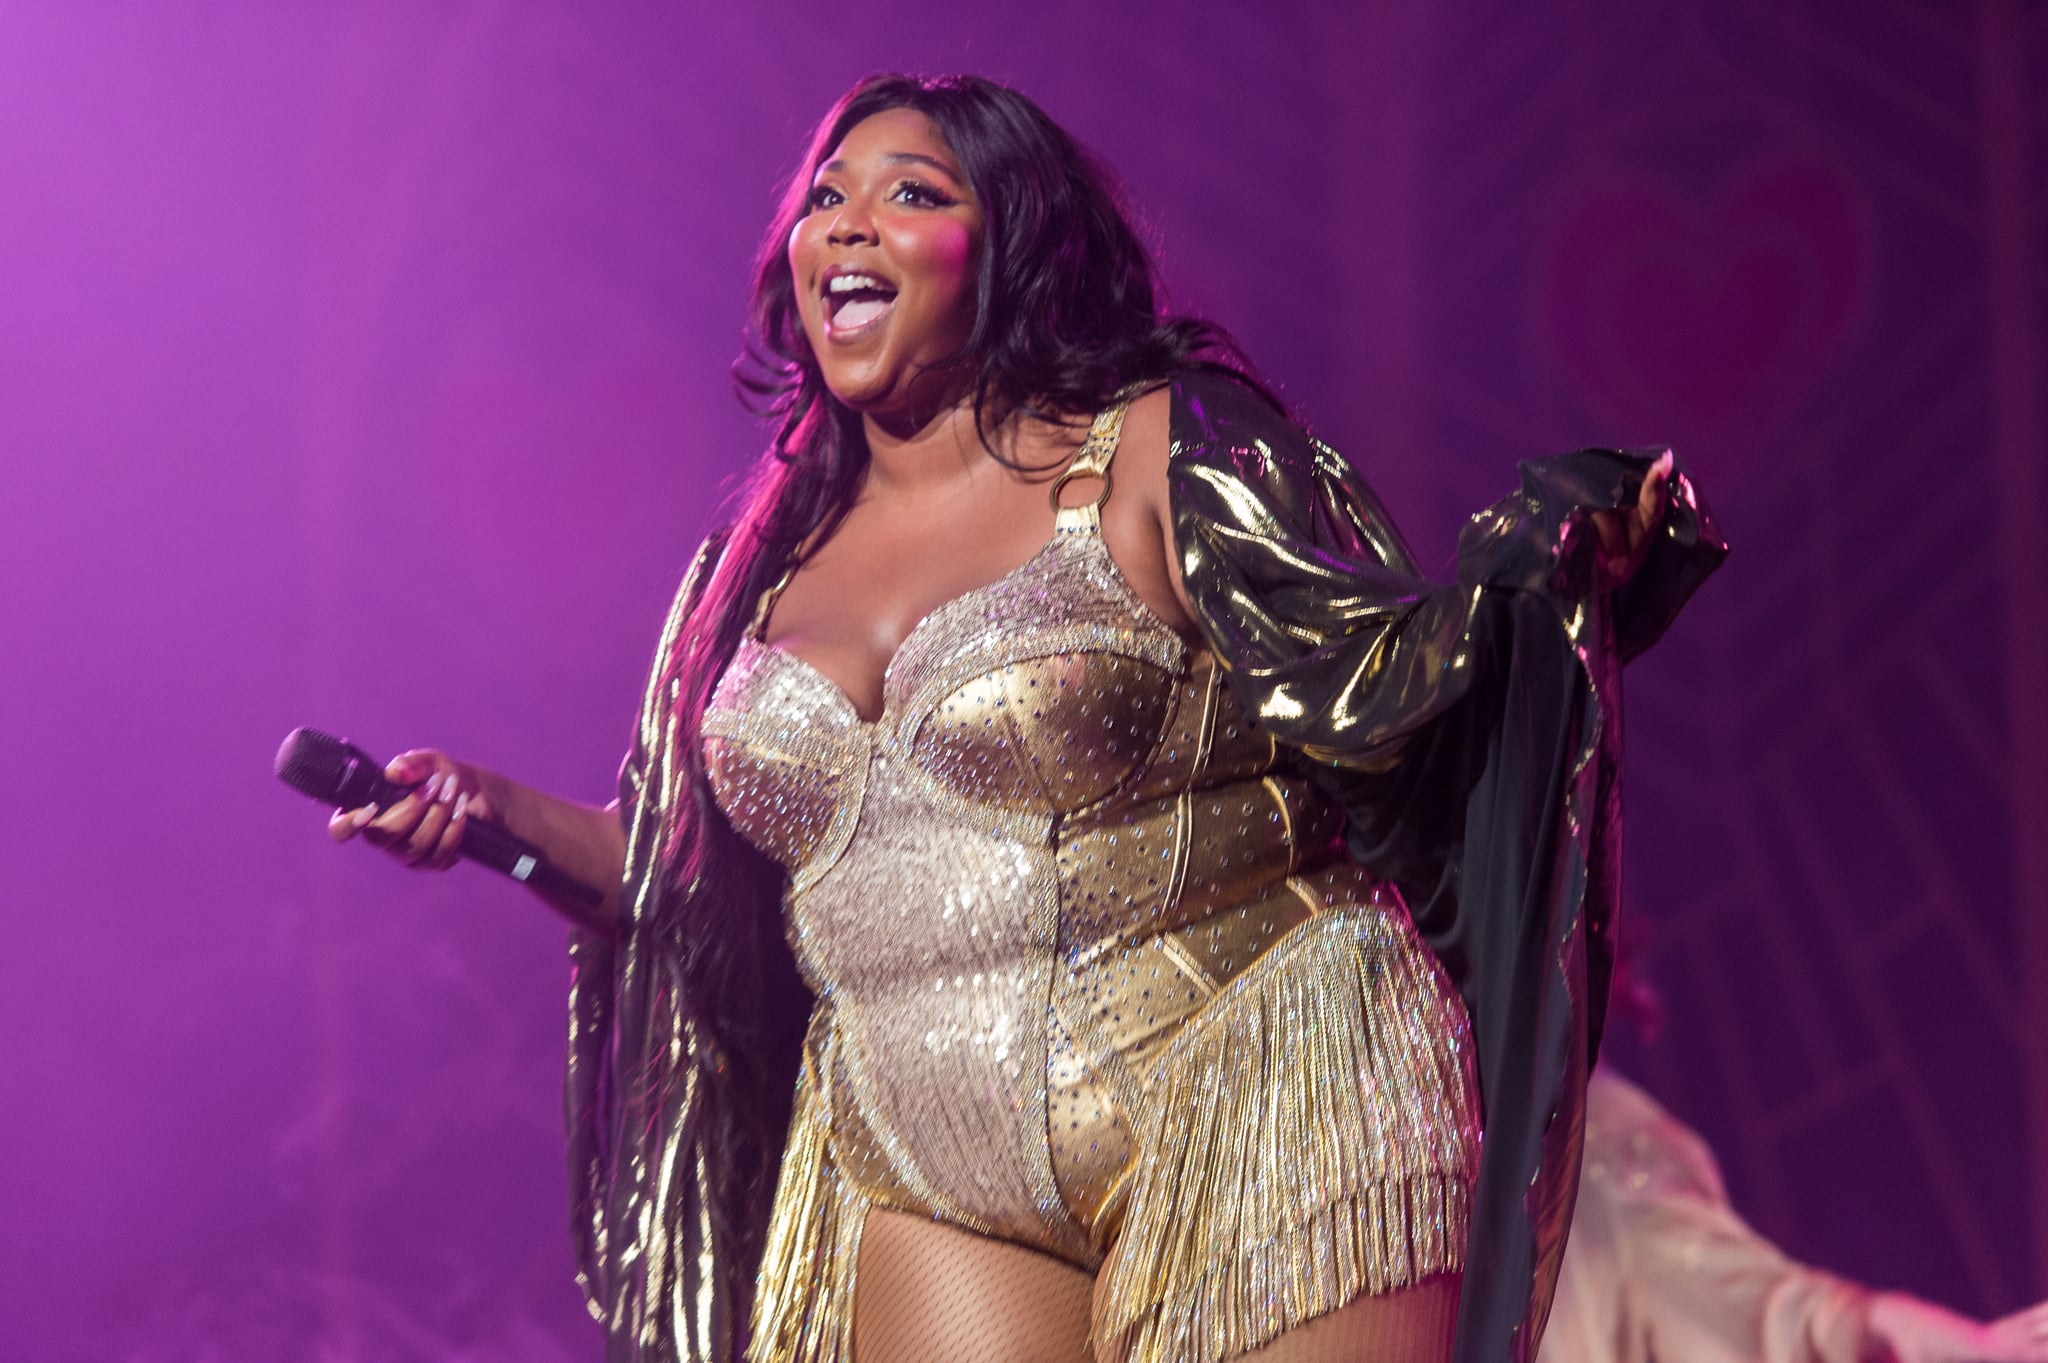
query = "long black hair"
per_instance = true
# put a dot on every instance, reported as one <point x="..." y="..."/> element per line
<point x="1067" y="315"/>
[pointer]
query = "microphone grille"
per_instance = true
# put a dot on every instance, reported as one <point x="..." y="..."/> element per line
<point x="314" y="763"/>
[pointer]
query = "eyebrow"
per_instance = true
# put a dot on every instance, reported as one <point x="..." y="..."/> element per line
<point x="906" y="158"/>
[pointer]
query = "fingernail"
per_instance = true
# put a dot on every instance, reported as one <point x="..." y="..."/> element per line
<point x="461" y="805"/>
<point x="448" y="790"/>
<point x="433" y="785"/>
<point x="362" y="817"/>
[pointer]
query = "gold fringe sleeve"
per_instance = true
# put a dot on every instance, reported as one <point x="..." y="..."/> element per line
<point x="666" y="1275"/>
<point x="631" y="1090"/>
<point x="1310" y="1140"/>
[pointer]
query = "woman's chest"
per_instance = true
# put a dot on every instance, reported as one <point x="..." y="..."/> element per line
<point x="1003" y="709"/>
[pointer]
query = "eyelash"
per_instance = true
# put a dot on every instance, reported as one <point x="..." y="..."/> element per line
<point x="932" y="196"/>
<point x="927" y="196"/>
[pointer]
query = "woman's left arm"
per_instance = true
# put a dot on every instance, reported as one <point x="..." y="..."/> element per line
<point x="1297" y="577"/>
<point x="1470" y="731"/>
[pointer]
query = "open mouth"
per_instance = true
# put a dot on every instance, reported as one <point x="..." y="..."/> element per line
<point x="854" y="301"/>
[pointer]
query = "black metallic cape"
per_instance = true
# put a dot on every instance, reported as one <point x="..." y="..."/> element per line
<point x="1472" y="732"/>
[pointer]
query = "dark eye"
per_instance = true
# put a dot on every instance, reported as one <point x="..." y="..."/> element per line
<point x="923" y="195"/>
<point x="823" y="196"/>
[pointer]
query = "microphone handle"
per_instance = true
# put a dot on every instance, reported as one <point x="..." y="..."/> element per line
<point x="483" y="842"/>
<point x="489" y="844"/>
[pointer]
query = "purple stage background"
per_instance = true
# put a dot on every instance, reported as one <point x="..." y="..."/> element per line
<point x="365" y="365"/>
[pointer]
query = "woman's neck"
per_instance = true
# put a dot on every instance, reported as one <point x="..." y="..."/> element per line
<point x="908" y="458"/>
<point x="912" y="456"/>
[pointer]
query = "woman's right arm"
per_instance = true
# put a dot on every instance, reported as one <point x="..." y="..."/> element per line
<point x="424" y="830"/>
<point x="584" y="842"/>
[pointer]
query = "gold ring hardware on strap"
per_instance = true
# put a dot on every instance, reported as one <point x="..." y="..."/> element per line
<point x="1092" y="459"/>
<point x="1067" y="475"/>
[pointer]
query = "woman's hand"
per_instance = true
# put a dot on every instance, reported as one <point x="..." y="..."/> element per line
<point x="1623" y="535"/>
<point x="2021" y="1337"/>
<point x="423" y="830"/>
<point x="1915" y="1331"/>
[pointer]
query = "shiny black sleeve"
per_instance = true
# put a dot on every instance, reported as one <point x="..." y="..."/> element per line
<point x="1472" y="732"/>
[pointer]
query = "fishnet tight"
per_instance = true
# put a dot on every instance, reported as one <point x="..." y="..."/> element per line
<point x="929" y="1293"/>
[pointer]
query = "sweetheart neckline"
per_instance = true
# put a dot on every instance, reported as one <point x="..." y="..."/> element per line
<point x="917" y="627"/>
<point x="1138" y="604"/>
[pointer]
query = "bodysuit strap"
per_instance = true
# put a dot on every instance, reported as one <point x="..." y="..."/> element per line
<point x="1092" y="461"/>
<point x="758" y="629"/>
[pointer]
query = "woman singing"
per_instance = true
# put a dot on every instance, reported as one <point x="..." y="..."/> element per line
<point x="1081" y="895"/>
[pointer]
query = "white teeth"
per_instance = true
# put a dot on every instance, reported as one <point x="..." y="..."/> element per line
<point x="852" y="283"/>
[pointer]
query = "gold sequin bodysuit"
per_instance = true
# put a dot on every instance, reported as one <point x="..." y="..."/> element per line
<point x="1093" y="975"/>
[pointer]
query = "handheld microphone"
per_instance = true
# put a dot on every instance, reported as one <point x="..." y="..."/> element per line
<point x="336" y="772"/>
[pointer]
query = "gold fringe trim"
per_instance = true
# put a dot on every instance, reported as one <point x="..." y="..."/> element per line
<point x="1310" y="1140"/>
<point x="803" y="1299"/>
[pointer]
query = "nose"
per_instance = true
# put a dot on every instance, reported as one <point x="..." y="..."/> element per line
<point x="850" y="225"/>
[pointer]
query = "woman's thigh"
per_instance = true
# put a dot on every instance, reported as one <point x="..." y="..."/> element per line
<point x="1412" y="1325"/>
<point x="931" y="1293"/>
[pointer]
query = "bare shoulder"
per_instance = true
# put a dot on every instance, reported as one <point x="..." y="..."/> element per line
<point x="1141" y="453"/>
<point x="1137" y="521"/>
